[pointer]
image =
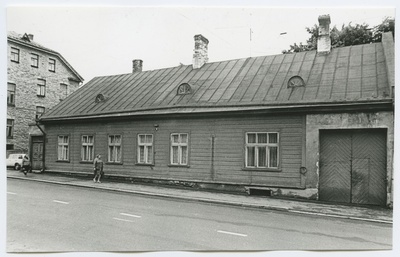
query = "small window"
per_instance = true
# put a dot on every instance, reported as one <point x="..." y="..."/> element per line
<point x="34" y="60"/>
<point x="87" y="148"/>
<point x="262" y="150"/>
<point x="296" y="81"/>
<point x="179" y="149"/>
<point x="14" y="54"/>
<point x="10" y="94"/>
<point x="10" y="128"/>
<point x="114" y="148"/>
<point x="145" y="149"/>
<point x="39" y="111"/>
<point x="99" y="98"/>
<point x="41" y="89"/>
<point x="52" y="65"/>
<point x="63" y="148"/>
<point x="184" y="89"/>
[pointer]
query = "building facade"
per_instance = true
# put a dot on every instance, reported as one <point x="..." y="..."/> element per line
<point x="315" y="124"/>
<point x="38" y="79"/>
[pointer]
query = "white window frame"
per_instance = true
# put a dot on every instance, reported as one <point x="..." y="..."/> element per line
<point x="34" y="60"/>
<point x="10" y="128"/>
<point x="63" y="148"/>
<point x="41" y="89"/>
<point x="180" y="146"/>
<point x="64" y="90"/>
<point x="146" y="145"/>
<point x="52" y="65"/>
<point x="87" y="148"/>
<point x="15" y="54"/>
<point x="11" y="87"/>
<point x="268" y="145"/>
<point x="40" y="110"/>
<point x="113" y="157"/>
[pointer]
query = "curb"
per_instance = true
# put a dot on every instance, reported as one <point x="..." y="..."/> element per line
<point x="205" y="200"/>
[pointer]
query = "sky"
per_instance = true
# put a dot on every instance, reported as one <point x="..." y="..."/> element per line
<point x="100" y="41"/>
<point x="102" y="37"/>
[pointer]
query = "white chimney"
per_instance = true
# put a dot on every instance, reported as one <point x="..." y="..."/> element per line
<point x="324" y="39"/>
<point x="200" y="55"/>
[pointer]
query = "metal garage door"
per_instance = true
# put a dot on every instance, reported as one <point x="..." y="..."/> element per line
<point x="353" y="166"/>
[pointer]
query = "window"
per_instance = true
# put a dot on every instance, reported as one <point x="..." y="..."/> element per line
<point x="145" y="149"/>
<point x="34" y="60"/>
<point x="184" y="89"/>
<point x="10" y="128"/>
<point x="39" y="111"/>
<point x="295" y="81"/>
<point x="63" y="148"/>
<point x="179" y="149"/>
<point x="87" y="148"/>
<point x="41" y="89"/>
<point x="114" y="148"/>
<point x="52" y="65"/>
<point x="64" y="91"/>
<point x="10" y="94"/>
<point x="262" y="150"/>
<point x="14" y="54"/>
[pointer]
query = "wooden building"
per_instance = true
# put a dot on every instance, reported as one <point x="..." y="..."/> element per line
<point x="315" y="124"/>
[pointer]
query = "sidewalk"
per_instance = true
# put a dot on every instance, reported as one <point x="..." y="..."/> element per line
<point x="373" y="214"/>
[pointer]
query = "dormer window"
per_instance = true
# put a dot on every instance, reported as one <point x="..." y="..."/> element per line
<point x="99" y="98"/>
<point x="295" y="81"/>
<point x="184" y="89"/>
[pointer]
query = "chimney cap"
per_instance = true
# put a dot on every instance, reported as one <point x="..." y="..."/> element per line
<point x="201" y="37"/>
<point x="326" y="18"/>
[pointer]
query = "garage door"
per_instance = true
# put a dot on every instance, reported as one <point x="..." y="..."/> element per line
<point x="353" y="166"/>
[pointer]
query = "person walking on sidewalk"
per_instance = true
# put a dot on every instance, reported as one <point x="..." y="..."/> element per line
<point x="98" y="168"/>
<point x="26" y="165"/>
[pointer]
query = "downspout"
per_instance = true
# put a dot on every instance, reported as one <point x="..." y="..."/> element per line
<point x="44" y="145"/>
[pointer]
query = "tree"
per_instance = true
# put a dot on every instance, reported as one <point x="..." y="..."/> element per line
<point x="348" y="35"/>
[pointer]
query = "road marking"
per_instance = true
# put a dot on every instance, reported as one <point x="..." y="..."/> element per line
<point x="11" y="193"/>
<point x="56" y="201"/>
<point x="123" y="220"/>
<point x="130" y="215"/>
<point x="231" y="233"/>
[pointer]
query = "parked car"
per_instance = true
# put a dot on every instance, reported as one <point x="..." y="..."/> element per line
<point x="15" y="160"/>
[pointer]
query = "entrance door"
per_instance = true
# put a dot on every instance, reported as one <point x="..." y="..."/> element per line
<point x="37" y="153"/>
<point x="353" y="166"/>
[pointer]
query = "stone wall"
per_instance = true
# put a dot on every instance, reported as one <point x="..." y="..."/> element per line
<point x="25" y="77"/>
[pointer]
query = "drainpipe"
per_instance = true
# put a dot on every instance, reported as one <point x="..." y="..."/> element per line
<point x="44" y="145"/>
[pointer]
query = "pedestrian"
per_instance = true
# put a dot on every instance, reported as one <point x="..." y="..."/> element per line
<point x="26" y="165"/>
<point x="97" y="168"/>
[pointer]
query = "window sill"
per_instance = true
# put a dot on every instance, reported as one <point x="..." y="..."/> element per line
<point x="114" y="163"/>
<point x="52" y="71"/>
<point x="145" y="164"/>
<point x="42" y="96"/>
<point x="262" y="169"/>
<point x="179" y="165"/>
<point x="15" y="61"/>
<point x="66" y="161"/>
<point x="12" y="105"/>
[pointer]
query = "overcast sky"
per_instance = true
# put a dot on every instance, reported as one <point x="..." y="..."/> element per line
<point x="99" y="41"/>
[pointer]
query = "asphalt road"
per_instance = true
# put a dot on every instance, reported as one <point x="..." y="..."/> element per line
<point x="45" y="217"/>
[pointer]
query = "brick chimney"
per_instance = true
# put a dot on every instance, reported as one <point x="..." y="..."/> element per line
<point x="324" y="39"/>
<point x="137" y="66"/>
<point x="200" y="55"/>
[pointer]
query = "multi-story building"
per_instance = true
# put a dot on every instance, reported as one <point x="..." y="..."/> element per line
<point x="38" y="79"/>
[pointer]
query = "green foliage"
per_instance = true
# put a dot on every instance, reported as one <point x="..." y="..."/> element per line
<point x="348" y="35"/>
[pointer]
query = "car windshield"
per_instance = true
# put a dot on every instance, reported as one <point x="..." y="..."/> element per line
<point x="15" y="156"/>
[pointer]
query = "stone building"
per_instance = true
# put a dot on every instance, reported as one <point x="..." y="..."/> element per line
<point x="38" y="79"/>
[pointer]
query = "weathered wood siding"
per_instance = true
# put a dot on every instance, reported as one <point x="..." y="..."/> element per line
<point x="229" y="148"/>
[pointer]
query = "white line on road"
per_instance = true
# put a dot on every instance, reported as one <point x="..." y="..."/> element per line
<point x="11" y="193"/>
<point x="231" y="233"/>
<point x="123" y="220"/>
<point x="56" y="201"/>
<point x="130" y="215"/>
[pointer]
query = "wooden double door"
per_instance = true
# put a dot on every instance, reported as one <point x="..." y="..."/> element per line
<point x="353" y="166"/>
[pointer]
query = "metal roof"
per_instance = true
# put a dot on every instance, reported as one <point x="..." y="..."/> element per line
<point x="345" y="75"/>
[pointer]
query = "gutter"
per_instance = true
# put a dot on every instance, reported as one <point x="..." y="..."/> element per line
<point x="44" y="145"/>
